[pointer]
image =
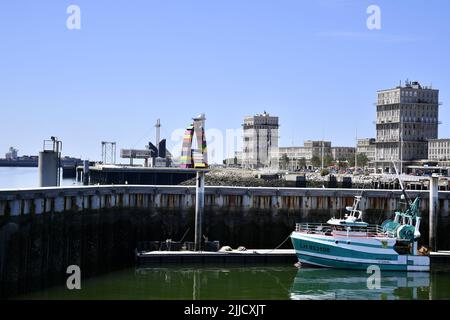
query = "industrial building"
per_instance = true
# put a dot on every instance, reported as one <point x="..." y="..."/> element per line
<point x="260" y="141"/>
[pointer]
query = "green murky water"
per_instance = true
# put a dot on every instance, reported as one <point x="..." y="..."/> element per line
<point x="272" y="282"/>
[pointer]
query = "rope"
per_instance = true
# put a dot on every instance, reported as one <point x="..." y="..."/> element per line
<point x="185" y="234"/>
<point x="278" y="246"/>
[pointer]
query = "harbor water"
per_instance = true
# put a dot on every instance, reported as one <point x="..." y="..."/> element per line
<point x="269" y="282"/>
<point x="16" y="178"/>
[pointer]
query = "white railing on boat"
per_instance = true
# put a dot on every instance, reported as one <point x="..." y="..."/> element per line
<point x="371" y="230"/>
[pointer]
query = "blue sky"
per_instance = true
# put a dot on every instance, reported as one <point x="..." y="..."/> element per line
<point x="312" y="63"/>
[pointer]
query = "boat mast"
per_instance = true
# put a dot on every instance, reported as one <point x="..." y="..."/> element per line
<point x="408" y="200"/>
<point x="401" y="148"/>
<point x="356" y="153"/>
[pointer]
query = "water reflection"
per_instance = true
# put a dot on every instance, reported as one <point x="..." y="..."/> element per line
<point x="191" y="282"/>
<point x="328" y="284"/>
<point x="227" y="282"/>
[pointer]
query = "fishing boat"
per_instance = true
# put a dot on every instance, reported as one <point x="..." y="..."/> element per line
<point x="351" y="243"/>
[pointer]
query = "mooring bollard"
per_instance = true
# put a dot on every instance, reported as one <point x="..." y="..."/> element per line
<point x="86" y="172"/>
<point x="49" y="163"/>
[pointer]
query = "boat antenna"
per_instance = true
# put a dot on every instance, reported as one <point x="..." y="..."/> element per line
<point x="408" y="200"/>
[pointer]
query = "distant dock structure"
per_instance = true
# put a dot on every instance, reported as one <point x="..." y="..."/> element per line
<point x="115" y="175"/>
<point x="158" y="166"/>
<point x="154" y="155"/>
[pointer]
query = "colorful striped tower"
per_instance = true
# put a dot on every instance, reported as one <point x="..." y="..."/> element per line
<point x="195" y="158"/>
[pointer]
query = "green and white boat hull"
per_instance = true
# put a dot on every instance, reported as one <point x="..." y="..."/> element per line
<point x="354" y="253"/>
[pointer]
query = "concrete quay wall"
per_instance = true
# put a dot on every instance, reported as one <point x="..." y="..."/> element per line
<point x="59" y="200"/>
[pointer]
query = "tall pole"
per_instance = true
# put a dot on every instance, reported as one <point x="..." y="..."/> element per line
<point x="434" y="185"/>
<point x="58" y="152"/>
<point x="158" y="128"/>
<point x="199" y="206"/>
<point x="356" y="153"/>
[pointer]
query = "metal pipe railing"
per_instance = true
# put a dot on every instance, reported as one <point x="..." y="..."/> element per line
<point x="326" y="229"/>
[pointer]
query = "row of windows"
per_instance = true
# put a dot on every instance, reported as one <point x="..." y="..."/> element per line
<point x="389" y="107"/>
<point x="445" y="144"/>
<point x="408" y="93"/>
<point x="413" y="112"/>
<point x="439" y="151"/>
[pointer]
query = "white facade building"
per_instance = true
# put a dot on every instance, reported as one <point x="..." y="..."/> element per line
<point x="367" y="146"/>
<point x="407" y="117"/>
<point x="439" y="149"/>
<point x="310" y="149"/>
<point x="260" y="145"/>
<point x="339" y="153"/>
